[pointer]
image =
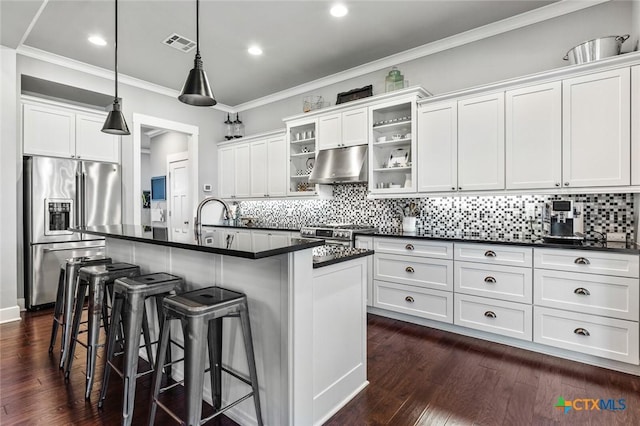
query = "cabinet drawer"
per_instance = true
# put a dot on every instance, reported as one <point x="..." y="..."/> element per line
<point x="593" y="294"/>
<point x="421" y="302"/>
<point x="497" y="281"/>
<point x="423" y="272"/>
<point x="414" y="247"/>
<point x="594" y="262"/>
<point x="493" y="254"/>
<point x="590" y="334"/>
<point x="494" y="316"/>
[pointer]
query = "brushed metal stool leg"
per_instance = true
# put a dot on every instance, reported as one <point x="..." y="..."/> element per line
<point x="160" y="360"/>
<point x="215" y="361"/>
<point x="161" y="314"/>
<point x="194" y="362"/>
<point x="77" y="318"/>
<point x="116" y="317"/>
<point x="146" y="333"/>
<point x="96" y="301"/>
<point x="57" y="310"/>
<point x="251" y="361"/>
<point x="70" y="284"/>
<point x="133" y="314"/>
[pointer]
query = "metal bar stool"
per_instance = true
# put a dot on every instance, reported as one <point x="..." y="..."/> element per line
<point x="201" y="313"/>
<point x="66" y="294"/>
<point x="96" y="278"/>
<point x="130" y="295"/>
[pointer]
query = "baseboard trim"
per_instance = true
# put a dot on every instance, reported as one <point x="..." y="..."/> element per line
<point x="21" y="304"/>
<point x="10" y="314"/>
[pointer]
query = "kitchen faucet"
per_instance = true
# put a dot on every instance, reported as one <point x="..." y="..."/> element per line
<point x="197" y="228"/>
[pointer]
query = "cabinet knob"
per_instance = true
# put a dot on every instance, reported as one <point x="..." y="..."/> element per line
<point x="453" y="188"/>
<point x="409" y="299"/>
<point x="409" y="247"/>
<point x="73" y="156"/>
<point x="459" y="188"/>
<point x="566" y="184"/>
<point x="490" y="253"/>
<point x="582" y="291"/>
<point x="582" y="331"/>
<point x="557" y="183"/>
<point x="490" y="314"/>
<point x="490" y="280"/>
<point x="409" y="269"/>
<point x="582" y="261"/>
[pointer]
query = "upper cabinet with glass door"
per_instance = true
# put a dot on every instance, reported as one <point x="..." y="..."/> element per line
<point x="301" y="138"/>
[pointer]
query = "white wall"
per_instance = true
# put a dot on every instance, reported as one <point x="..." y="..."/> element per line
<point x="535" y="48"/>
<point x="161" y="146"/>
<point x="9" y="246"/>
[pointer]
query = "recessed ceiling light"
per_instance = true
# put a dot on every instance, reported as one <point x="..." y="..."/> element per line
<point x="255" y="50"/>
<point x="97" y="40"/>
<point x="339" y="10"/>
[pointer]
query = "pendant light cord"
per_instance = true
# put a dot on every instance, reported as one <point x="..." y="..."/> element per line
<point x="198" y="27"/>
<point x="116" y="50"/>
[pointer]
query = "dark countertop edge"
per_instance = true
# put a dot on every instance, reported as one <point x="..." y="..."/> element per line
<point x="207" y="249"/>
<point x="260" y="228"/>
<point x="341" y="259"/>
<point x="499" y="242"/>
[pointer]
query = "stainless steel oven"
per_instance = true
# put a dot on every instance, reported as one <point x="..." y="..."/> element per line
<point x="336" y="233"/>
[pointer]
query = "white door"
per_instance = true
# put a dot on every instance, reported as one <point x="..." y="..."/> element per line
<point x="227" y="172"/>
<point x="534" y="137"/>
<point x="354" y="127"/>
<point x="92" y="143"/>
<point x="243" y="171"/>
<point x="438" y="147"/>
<point x="596" y="129"/>
<point x="259" y="166"/>
<point x="635" y="125"/>
<point x="48" y="131"/>
<point x="179" y="207"/>
<point x="330" y="131"/>
<point x="481" y="143"/>
<point x="277" y="167"/>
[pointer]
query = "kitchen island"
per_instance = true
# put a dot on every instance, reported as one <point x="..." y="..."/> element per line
<point x="308" y="318"/>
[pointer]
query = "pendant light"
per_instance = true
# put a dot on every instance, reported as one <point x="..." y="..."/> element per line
<point x="196" y="90"/>
<point x="115" y="123"/>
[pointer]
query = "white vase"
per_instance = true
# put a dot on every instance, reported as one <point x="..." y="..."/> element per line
<point x="409" y="224"/>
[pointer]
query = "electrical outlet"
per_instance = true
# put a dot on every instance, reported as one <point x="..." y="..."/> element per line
<point x="530" y="211"/>
<point x="616" y="236"/>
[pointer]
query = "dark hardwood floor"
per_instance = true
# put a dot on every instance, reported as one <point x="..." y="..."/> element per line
<point x="418" y="376"/>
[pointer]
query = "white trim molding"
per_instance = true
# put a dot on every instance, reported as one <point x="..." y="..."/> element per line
<point x="10" y="314"/>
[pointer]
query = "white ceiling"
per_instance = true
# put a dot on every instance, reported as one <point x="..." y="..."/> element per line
<point x="301" y="41"/>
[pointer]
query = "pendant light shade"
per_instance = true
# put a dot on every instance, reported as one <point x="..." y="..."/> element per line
<point x="115" y="123"/>
<point x="196" y="90"/>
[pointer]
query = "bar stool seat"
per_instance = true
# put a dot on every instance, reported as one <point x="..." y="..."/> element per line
<point x="96" y="279"/>
<point x="63" y="310"/>
<point x="130" y="295"/>
<point x="201" y="313"/>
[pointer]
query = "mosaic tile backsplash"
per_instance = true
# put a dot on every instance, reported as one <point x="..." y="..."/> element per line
<point x="502" y="216"/>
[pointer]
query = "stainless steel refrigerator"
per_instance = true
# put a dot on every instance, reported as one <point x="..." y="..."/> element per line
<point x="59" y="194"/>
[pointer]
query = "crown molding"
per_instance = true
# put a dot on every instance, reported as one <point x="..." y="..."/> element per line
<point x="63" y="61"/>
<point x="535" y="16"/>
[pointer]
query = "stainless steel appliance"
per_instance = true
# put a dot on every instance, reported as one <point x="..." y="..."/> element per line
<point x="59" y="194"/>
<point x="562" y="221"/>
<point x="336" y="233"/>
<point x="340" y="165"/>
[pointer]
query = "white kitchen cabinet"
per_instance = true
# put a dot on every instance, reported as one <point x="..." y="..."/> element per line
<point x="301" y="152"/>
<point x="438" y="147"/>
<point x="481" y="143"/>
<point x="367" y="243"/>
<point x="55" y="131"/>
<point x="243" y="171"/>
<point x="226" y="172"/>
<point x="596" y="129"/>
<point x="276" y="161"/>
<point x="341" y="129"/>
<point x="494" y="316"/>
<point x="534" y="137"/>
<point x="635" y="125"/>
<point x="259" y="168"/>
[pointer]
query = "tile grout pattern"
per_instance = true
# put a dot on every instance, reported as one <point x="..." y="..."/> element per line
<point x="503" y="216"/>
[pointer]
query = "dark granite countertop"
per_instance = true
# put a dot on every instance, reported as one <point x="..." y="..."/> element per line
<point x="622" y="247"/>
<point x="207" y="242"/>
<point x="265" y="227"/>
<point x="330" y="254"/>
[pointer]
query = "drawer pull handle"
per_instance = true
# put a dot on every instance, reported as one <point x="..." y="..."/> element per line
<point x="582" y="261"/>
<point x="490" y="314"/>
<point x="409" y="247"/>
<point x="582" y="331"/>
<point x="490" y="253"/>
<point x="490" y="280"/>
<point x="409" y="269"/>
<point x="409" y="299"/>
<point x="582" y="291"/>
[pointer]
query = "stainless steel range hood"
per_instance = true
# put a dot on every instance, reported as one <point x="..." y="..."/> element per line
<point x="340" y="165"/>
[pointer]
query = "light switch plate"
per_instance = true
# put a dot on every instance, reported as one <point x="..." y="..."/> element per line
<point x="616" y="236"/>
<point x="206" y="187"/>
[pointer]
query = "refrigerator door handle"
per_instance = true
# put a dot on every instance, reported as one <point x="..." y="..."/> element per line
<point x="66" y="249"/>
<point x="83" y="188"/>
<point x="79" y="196"/>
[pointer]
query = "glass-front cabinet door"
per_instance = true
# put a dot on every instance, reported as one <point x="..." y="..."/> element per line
<point x="301" y="148"/>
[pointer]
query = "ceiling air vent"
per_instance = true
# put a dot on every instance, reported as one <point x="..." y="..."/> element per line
<point x="179" y="42"/>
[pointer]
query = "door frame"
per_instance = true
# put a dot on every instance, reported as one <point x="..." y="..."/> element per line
<point x="192" y="132"/>
<point x="174" y="158"/>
